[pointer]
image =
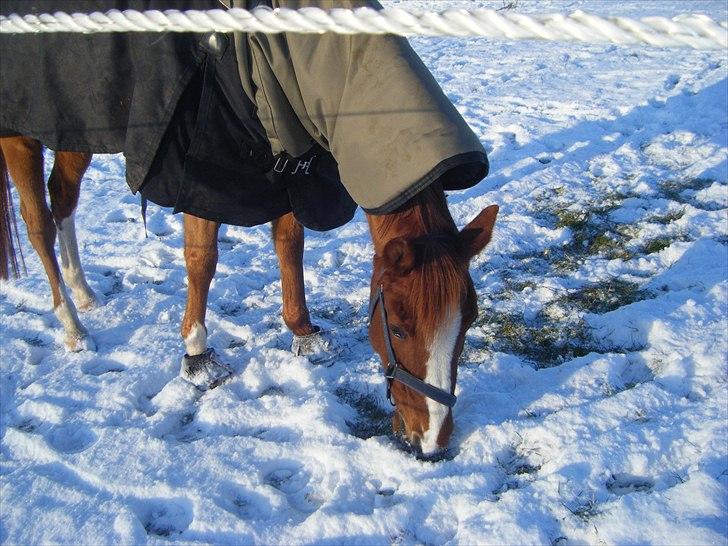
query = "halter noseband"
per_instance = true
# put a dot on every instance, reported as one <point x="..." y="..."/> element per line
<point x="394" y="371"/>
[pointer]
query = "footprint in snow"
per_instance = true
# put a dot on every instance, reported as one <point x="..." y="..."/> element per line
<point x="243" y="503"/>
<point x="164" y="517"/>
<point x="101" y="366"/>
<point x="671" y="81"/>
<point x="70" y="438"/>
<point x="66" y="438"/>
<point x="623" y="484"/>
<point x="295" y="484"/>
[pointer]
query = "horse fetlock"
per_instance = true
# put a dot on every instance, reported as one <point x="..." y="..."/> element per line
<point x="299" y="322"/>
<point x="195" y="338"/>
<point x="84" y="296"/>
<point x="66" y="313"/>
<point x="77" y="337"/>
<point x="86" y="299"/>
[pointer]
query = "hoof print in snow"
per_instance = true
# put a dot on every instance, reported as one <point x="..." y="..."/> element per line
<point x="71" y="438"/>
<point x="112" y="284"/>
<point x="285" y="480"/>
<point x="671" y="81"/>
<point x="242" y="503"/>
<point x="165" y="517"/>
<point x="295" y="485"/>
<point x="37" y="341"/>
<point x="101" y="366"/>
<point x="623" y="484"/>
<point x="28" y="426"/>
<point x="507" y="485"/>
<point x="273" y="390"/>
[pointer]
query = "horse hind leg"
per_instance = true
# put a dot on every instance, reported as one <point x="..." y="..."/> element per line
<point x="24" y="161"/>
<point x="64" y="187"/>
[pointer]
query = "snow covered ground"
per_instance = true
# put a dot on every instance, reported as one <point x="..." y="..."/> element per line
<point x="593" y="391"/>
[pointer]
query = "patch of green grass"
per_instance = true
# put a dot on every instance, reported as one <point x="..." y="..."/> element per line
<point x="657" y="244"/>
<point x="574" y="220"/>
<point x="674" y="189"/>
<point x="558" y="333"/>
<point x="610" y="246"/>
<point x="592" y="234"/>
<point x="544" y="342"/>
<point x="605" y="296"/>
<point x="372" y="419"/>
<point x="667" y="218"/>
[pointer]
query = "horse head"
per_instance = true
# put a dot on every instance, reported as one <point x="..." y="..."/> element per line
<point x="422" y="303"/>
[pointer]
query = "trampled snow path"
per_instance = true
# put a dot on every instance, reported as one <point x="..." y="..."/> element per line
<point x="593" y="403"/>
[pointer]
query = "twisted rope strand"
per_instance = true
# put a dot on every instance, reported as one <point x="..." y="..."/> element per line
<point x="690" y="30"/>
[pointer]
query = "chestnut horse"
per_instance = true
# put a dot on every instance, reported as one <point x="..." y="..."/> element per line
<point x="422" y="297"/>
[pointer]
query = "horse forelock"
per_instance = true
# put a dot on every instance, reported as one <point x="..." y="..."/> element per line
<point x="438" y="284"/>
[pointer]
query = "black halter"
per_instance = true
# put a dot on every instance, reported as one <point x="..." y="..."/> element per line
<point x="394" y="371"/>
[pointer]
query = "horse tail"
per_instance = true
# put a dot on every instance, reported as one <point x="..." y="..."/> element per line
<point x="8" y="226"/>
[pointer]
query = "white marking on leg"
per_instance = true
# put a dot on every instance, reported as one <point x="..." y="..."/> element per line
<point x="71" y="263"/>
<point x="68" y="316"/>
<point x="196" y="341"/>
<point x="439" y="374"/>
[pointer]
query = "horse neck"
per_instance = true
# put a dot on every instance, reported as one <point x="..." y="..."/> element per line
<point x="423" y="214"/>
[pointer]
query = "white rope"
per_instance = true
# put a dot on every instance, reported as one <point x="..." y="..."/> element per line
<point x="696" y="31"/>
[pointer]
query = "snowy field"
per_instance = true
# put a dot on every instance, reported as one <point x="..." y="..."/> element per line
<point x="593" y="389"/>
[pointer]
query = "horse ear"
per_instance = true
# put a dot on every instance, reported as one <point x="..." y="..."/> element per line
<point x="476" y="235"/>
<point x="399" y="256"/>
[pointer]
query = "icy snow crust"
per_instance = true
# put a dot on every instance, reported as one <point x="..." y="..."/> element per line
<point x="592" y="392"/>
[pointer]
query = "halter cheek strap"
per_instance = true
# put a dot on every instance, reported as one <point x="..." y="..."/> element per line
<point x="394" y="371"/>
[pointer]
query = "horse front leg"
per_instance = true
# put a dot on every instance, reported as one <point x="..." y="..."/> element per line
<point x="200" y="365"/>
<point x="64" y="187"/>
<point x="288" y="242"/>
<point x="24" y="160"/>
<point x="308" y="340"/>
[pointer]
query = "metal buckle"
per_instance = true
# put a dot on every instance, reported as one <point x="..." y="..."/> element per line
<point x="389" y="376"/>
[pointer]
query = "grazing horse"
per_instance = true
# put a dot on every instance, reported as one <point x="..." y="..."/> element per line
<point x="422" y="297"/>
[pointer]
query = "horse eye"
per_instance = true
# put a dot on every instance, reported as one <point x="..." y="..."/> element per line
<point x="398" y="332"/>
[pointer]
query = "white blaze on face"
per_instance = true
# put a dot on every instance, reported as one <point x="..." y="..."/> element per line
<point x="439" y="374"/>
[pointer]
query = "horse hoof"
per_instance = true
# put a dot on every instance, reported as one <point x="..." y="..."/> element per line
<point x="76" y="344"/>
<point x="204" y="371"/>
<point x="318" y="347"/>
